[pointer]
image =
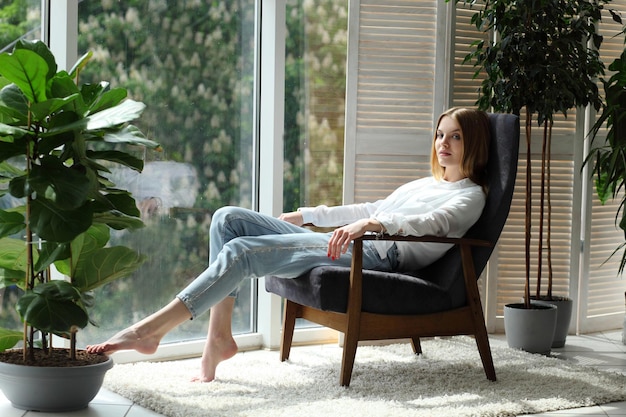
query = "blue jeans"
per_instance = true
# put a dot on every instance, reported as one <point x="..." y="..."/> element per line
<point x="247" y="244"/>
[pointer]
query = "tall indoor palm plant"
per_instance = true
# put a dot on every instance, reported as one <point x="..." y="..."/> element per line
<point x="544" y="61"/>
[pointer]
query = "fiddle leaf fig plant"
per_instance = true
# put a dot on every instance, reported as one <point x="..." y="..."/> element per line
<point x="58" y="141"/>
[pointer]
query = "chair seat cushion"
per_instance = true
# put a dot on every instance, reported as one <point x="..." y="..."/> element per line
<point x="326" y="288"/>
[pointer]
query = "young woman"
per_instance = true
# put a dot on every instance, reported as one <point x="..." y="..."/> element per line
<point x="245" y="244"/>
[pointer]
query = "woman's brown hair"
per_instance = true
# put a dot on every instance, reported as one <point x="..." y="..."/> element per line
<point x="476" y="133"/>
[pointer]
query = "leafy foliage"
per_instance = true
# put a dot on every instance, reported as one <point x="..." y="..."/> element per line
<point x="545" y="60"/>
<point x="67" y="204"/>
<point x="192" y="64"/>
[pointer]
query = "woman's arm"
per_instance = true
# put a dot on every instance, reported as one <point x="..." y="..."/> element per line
<point x="451" y="218"/>
<point x="295" y="217"/>
<point x="342" y="237"/>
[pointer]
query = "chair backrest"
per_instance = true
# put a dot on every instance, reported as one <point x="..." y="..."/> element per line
<point x="501" y="170"/>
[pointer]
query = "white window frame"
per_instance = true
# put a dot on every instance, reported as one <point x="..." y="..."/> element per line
<point x="59" y="30"/>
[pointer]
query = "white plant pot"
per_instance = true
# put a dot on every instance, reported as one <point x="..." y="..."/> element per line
<point x="530" y="329"/>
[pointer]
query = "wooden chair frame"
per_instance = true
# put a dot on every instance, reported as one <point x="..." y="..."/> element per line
<point x="359" y="325"/>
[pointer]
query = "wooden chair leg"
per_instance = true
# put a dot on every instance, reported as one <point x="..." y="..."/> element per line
<point x="417" y="346"/>
<point x="289" y="324"/>
<point x="350" y="345"/>
<point x="482" y="342"/>
<point x="473" y="299"/>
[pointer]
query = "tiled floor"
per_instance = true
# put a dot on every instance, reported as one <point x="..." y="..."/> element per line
<point x="600" y="350"/>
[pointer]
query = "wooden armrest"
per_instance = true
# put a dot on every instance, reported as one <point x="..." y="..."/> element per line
<point x="435" y="239"/>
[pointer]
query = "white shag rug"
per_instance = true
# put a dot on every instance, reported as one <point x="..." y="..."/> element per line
<point x="446" y="380"/>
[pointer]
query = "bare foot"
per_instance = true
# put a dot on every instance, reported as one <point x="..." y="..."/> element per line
<point x="126" y="339"/>
<point x="215" y="351"/>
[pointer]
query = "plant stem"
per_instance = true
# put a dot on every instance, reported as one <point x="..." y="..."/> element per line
<point x="549" y="213"/>
<point x="528" y="207"/>
<point x="73" y="345"/>
<point x="542" y="204"/>
<point x="28" y="348"/>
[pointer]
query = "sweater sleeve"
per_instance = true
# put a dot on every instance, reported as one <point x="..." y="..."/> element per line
<point x="324" y="216"/>
<point x="452" y="218"/>
<point x="422" y="207"/>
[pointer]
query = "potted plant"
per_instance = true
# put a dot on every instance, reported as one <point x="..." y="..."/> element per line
<point x="541" y="63"/>
<point x="57" y="142"/>
<point x="609" y="156"/>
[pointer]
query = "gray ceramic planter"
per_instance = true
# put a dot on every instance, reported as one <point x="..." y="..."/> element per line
<point x="564" y="308"/>
<point x="52" y="389"/>
<point x="532" y="329"/>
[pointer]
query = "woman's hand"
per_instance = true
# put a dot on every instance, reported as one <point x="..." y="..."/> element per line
<point x="342" y="237"/>
<point x="295" y="217"/>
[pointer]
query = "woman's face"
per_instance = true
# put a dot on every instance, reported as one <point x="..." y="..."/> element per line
<point x="449" y="148"/>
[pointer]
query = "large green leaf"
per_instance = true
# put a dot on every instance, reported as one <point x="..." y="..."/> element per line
<point x="80" y="64"/>
<point x="109" y="118"/>
<point x="96" y="237"/>
<point x="12" y="148"/>
<point x="13" y="104"/>
<point x="118" y="157"/>
<point x="10" y="223"/>
<point x="118" y="221"/>
<point x="51" y="252"/>
<point x="130" y="135"/>
<point x="41" y="49"/>
<point x="28" y="71"/>
<point x="13" y="254"/>
<point x="102" y="266"/>
<point x="66" y="187"/>
<point x="9" y="170"/>
<point x="17" y="186"/>
<point x="9" y="338"/>
<point x="9" y="278"/>
<point x="53" y="307"/>
<point x="124" y="112"/>
<point x="51" y="223"/>
<point x="108" y="99"/>
<point x="43" y="109"/>
<point x="12" y="130"/>
<point x="124" y="203"/>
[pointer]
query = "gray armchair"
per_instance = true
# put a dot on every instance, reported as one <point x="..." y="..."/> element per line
<point x="441" y="299"/>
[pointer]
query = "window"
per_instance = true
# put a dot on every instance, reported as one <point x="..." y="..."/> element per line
<point x="19" y="20"/>
<point x="399" y="78"/>
<point x="192" y="63"/>
<point x="315" y="77"/>
<point x="391" y="74"/>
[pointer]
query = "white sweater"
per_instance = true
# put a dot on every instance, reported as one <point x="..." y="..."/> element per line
<point x="421" y="207"/>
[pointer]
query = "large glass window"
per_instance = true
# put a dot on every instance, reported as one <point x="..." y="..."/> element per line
<point x="315" y="87"/>
<point x="192" y="63"/>
<point x="19" y="19"/>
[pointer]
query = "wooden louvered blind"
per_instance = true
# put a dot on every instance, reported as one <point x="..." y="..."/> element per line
<point x="602" y="290"/>
<point x="392" y="122"/>
<point x="465" y="86"/>
<point x="507" y="266"/>
<point x="511" y="259"/>
<point x="394" y="94"/>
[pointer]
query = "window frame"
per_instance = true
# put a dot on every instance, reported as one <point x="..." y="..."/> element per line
<point x="59" y="29"/>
